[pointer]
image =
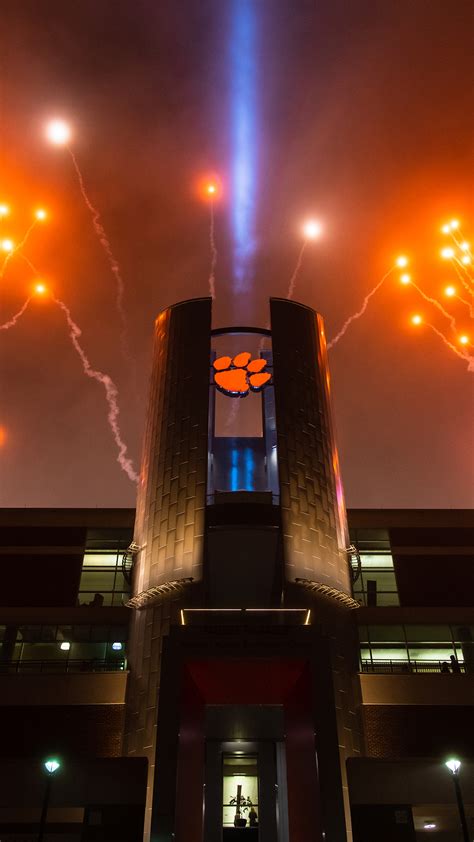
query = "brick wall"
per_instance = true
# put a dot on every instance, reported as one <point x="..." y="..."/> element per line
<point x="418" y="730"/>
<point x="79" y="730"/>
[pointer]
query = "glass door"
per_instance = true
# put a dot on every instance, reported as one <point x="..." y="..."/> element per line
<point x="240" y="793"/>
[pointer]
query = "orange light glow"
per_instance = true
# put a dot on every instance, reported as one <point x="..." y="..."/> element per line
<point x="208" y="187"/>
<point x="402" y="261"/>
<point x="405" y="278"/>
<point x="3" y="436"/>
<point x="312" y="229"/>
<point x="416" y="320"/>
<point x="454" y="224"/>
<point x="7" y="245"/>
<point x="450" y="291"/>
<point x="464" y="246"/>
<point x="447" y="253"/>
<point x="41" y="214"/>
<point x="40" y="288"/>
<point x="445" y="229"/>
<point x="464" y="340"/>
<point x="4" y="210"/>
<point x="466" y="259"/>
<point x="58" y="132"/>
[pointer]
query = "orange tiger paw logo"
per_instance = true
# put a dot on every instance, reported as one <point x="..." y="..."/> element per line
<point x="237" y="376"/>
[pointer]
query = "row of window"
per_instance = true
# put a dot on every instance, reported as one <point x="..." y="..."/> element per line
<point x="72" y="633"/>
<point x="61" y="651"/>
<point x="417" y="645"/>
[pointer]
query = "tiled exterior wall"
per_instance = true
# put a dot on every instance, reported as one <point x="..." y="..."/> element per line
<point x="172" y="492"/>
<point x="171" y="504"/>
<point x="312" y="505"/>
<point x="347" y="704"/>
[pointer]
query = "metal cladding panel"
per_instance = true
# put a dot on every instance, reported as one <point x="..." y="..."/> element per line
<point x="172" y="491"/>
<point x="312" y="501"/>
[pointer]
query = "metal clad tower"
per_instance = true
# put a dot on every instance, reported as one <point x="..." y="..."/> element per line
<point x="171" y="502"/>
<point x="312" y="504"/>
<point x="240" y="533"/>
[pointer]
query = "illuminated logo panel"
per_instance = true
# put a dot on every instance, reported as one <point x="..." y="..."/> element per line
<point x="239" y="375"/>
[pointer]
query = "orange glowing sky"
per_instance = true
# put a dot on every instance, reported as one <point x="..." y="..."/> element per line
<point x="348" y="96"/>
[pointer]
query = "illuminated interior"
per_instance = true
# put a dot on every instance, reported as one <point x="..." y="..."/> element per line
<point x="240" y="790"/>
<point x="416" y="648"/>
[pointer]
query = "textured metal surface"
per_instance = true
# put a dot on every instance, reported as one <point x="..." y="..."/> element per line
<point x="153" y="596"/>
<point x="312" y="503"/>
<point x="172" y="490"/>
<point x="330" y="593"/>
<point x="170" y="507"/>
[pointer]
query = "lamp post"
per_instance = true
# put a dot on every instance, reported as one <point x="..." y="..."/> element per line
<point x="51" y="764"/>
<point x="454" y="766"/>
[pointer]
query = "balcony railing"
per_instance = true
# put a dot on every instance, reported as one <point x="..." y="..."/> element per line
<point x="409" y="667"/>
<point x="63" y="666"/>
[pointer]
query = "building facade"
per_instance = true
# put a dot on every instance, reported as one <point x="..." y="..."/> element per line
<point x="244" y="659"/>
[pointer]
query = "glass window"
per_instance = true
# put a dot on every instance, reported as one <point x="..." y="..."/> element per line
<point x="117" y="633"/>
<point x="119" y="598"/>
<point x="102" y="581"/>
<point x="363" y="634"/>
<point x="81" y="633"/>
<point x="387" y="634"/>
<point x="43" y="652"/>
<point x="240" y="790"/>
<point x="48" y="633"/>
<point x="100" y="559"/>
<point x="88" y="651"/>
<point x="97" y="580"/>
<point x="427" y="652"/>
<point x="378" y="560"/>
<point x="428" y="634"/>
<point x="99" y="633"/>
<point x="376" y="584"/>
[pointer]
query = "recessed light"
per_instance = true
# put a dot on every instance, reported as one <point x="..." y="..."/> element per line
<point x="429" y="826"/>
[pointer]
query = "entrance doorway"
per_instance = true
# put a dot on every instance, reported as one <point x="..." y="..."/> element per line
<point x="245" y="792"/>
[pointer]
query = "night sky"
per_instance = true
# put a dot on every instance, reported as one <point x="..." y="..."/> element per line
<point x="363" y="119"/>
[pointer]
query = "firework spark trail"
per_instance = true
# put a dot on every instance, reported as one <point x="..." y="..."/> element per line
<point x="466" y="268"/>
<point x="436" y="303"/>
<point x="17" y="248"/>
<point x="466" y="357"/>
<point x="111" y="392"/>
<point x="12" y="322"/>
<point x="459" y="240"/>
<point x="360" y="312"/>
<point x="462" y="278"/>
<point x="28" y="261"/>
<point x="113" y="263"/>
<point x="212" y="242"/>
<point x="291" y="285"/>
<point x="468" y="304"/>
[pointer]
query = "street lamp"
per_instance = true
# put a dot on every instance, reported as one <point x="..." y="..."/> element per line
<point x="52" y="765"/>
<point x="454" y="766"/>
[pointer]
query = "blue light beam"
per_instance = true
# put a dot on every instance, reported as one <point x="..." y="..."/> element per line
<point x="244" y="154"/>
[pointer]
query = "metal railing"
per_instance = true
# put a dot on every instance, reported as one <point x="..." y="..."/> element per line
<point x="63" y="666"/>
<point x="409" y="667"/>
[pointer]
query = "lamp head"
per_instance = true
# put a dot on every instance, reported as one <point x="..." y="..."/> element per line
<point x="52" y="765"/>
<point x="453" y="765"/>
